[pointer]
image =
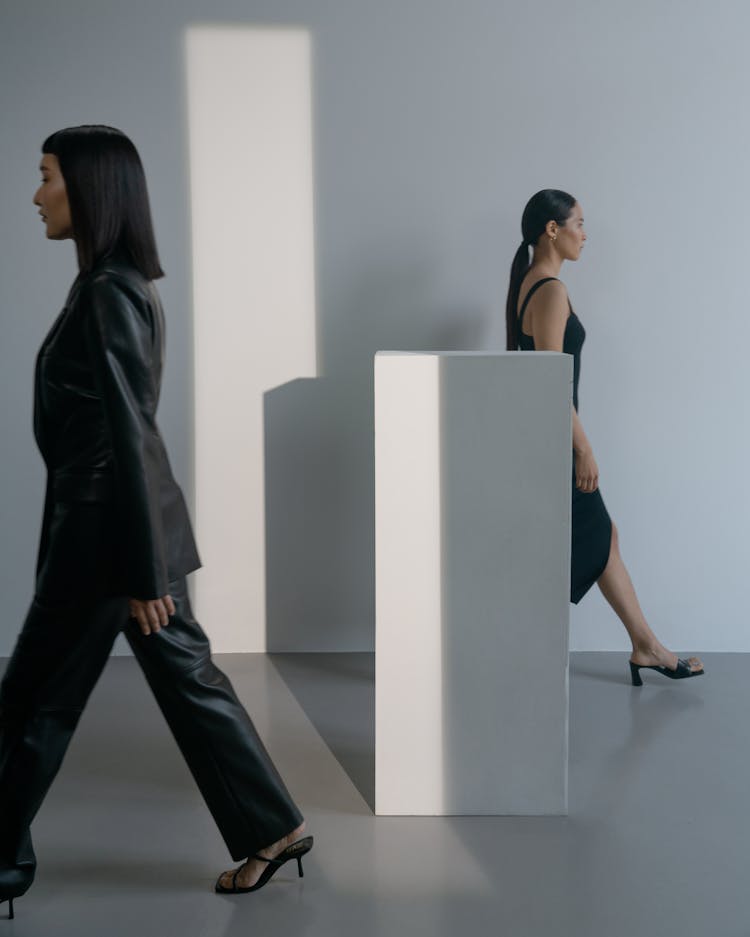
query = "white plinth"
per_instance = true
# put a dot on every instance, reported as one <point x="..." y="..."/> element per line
<point x="473" y="473"/>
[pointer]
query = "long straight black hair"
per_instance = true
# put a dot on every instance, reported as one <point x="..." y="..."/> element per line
<point x="106" y="188"/>
<point x="547" y="205"/>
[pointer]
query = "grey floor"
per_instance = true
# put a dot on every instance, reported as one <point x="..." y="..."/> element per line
<point x="655" y="844"/>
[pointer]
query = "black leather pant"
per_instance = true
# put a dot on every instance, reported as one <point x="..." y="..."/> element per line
<point x="58" y="658"/>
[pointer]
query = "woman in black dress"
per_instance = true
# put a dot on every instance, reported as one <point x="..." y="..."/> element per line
<point x="539" y="317"/>
<point x="116" y="541"/>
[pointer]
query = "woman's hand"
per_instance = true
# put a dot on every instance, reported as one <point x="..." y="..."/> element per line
<point x="152" y="614"/>
<point x="587" y="471"/>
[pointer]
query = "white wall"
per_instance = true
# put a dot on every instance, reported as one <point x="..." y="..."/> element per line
<point x="433" y="122"/>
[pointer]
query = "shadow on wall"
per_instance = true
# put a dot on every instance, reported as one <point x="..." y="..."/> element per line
<point x="319" y="471"/>
<point x="396" y="306"/>
<point x="311" y="572"/>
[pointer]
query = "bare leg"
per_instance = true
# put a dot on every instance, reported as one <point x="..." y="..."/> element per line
<point x="617" y="589"/>
<point x="252" y="869"/>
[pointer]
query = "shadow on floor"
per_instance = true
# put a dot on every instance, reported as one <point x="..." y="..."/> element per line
<point x="337" y="693"/>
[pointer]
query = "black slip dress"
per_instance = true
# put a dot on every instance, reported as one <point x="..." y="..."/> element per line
<point x="591" y="524"/>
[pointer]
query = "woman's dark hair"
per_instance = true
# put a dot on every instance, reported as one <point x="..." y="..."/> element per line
<point x="107" y="194"/>
<point x="547" y="205"/>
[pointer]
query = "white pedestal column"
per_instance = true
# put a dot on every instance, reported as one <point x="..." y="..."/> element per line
<point x="473" y="474"/>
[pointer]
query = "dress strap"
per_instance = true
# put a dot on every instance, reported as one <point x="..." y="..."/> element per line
<point x="531" y="292"/>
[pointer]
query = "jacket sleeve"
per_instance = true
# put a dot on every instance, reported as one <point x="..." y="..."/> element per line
<point x="123" y="340"/>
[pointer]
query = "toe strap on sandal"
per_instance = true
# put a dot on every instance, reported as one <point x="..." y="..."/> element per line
<point x="685" y="669"/>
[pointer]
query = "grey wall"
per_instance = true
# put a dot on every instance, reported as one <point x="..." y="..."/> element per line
<point x="434" y="122"/>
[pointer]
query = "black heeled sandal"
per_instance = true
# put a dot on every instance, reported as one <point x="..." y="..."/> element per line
<point x="294" y="851"/>
<point x="682" y="672"/>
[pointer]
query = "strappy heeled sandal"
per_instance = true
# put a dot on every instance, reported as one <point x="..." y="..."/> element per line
<point x="682" y="671"/>
<point x="294" y="851"/>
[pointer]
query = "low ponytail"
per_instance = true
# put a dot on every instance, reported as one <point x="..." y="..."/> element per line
<point x="518" y="270"/>
<point x="547" y="205"/>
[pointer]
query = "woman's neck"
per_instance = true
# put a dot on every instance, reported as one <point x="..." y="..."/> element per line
<point x="546" y="261"/>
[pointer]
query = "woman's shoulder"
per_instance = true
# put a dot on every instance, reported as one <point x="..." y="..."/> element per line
<point x="114" y="300"/>
<point x="119" y="270"/>
<point x="543" y="291"/>
<point x="114" y="279"/>
<point x="535" y="280"/>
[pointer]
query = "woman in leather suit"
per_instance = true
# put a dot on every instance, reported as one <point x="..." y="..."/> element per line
<point x="116" y="541"/>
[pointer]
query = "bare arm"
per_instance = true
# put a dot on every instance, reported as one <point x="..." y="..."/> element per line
<point x="547" y="314"/>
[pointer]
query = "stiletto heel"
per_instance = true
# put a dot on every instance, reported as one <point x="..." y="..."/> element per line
<point x="681" y="672"/>
<point x="294" y="851"/>
<point x="14" y="882"/>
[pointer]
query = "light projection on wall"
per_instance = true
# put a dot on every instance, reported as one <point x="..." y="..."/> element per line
<point x="251" y="180"/>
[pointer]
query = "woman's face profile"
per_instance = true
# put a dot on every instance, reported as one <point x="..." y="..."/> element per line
<point x="52" y="199"/>
<point x="571" y="236"/>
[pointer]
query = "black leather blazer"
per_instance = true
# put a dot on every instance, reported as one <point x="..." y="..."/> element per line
<point x="115" y="521"/>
